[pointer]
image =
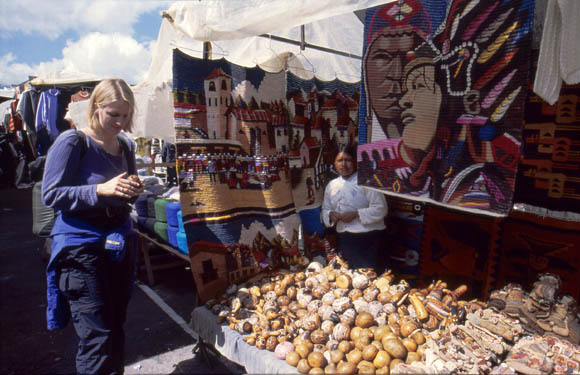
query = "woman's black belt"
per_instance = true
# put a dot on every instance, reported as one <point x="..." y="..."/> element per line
<point x="103" y="218"/>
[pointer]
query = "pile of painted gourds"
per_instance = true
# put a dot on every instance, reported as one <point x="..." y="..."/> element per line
<point x="334" y="319"/>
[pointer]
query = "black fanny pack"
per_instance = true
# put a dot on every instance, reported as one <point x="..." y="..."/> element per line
<point x="104" y="219"/>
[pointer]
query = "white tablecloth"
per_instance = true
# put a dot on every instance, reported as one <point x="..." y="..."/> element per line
<point x="231" y="345"/>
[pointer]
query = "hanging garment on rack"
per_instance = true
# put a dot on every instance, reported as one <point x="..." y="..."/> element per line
<point x="46" y="118"/>
<point x="77" y="114"/>
<point x="559" y="54"/>
<point x="79" y="96"/>
<point x="46" y="115"/>
<point x="5" y="113"/>
<point x="27" y="110"/>
<point x="15" y="123"/>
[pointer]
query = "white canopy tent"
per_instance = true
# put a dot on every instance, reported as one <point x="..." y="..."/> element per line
<point x="234" y="27"/>
<point x="64" y="77"/>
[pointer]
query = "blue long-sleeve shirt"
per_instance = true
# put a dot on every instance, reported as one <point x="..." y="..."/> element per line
<point x="70" y="184"/>
<point x="47" y="111"/>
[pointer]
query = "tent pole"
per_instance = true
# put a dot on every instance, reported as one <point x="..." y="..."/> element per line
<point x="206" y="50"/>
<point x="304" y="44"/>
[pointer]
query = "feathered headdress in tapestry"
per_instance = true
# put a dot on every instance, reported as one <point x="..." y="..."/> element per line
<point x="444" y="84"/>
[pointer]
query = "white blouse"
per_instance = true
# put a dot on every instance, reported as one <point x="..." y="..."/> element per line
<point x="343" y="195"/>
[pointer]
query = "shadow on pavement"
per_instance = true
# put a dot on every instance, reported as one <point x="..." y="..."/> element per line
<point x="27" y="347"/>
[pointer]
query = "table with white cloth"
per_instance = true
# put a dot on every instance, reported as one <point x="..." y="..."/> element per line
<point x="231" y="345"/>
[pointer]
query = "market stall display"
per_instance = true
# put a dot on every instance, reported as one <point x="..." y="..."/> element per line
<point x="230" y="344"/>
<point x="334" y="319"/>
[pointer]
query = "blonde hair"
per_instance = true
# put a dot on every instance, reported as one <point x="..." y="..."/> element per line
<point x="108" y="91"/>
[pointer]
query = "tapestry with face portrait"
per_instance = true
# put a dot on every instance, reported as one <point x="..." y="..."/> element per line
<point x="549" y="170"/>
<point x="443" y="92"/>
<point x="322" y="118"/>
<point x="233" y="166"/>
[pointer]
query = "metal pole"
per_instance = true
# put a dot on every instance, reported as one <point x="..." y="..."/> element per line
<point x="313" y="46"/>
<point x="206" y="50"/>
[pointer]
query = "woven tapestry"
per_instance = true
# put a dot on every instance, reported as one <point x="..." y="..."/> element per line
<point x="532" y="245"/>
<point x="233" y="167"/>
<point x="322" y="119"/>
<point x="459" y="247"/>
<point x="405" y="230"/>
<point x="444" y="87"/>
<point x="549" y="171"/>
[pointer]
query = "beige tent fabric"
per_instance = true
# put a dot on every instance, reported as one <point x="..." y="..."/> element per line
<point x="234" y="19"/>
<point x="232" y="27"/>
<point x="63" y="77"/>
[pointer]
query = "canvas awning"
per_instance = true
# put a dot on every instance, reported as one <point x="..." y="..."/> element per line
<point x="234" y="28"/>
<point x="64" y="77"/>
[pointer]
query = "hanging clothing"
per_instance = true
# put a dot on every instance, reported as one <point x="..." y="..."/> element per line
<point x="27" y="110"/>
<point x="46" y="117"/>
<point x="5" y="116"/>
<point x="559" y="53"/>
<point x="15" y="123"/>
<point x="47" y="112"/>
<point x="79" y="96"/>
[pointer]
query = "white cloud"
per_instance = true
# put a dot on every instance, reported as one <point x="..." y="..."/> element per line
<point x="104" y="55"/>
<point x="12" y="72"/>
<point x="51" y="18"/>
<point x="107" y="44"/>
<point x="108" y="55"/>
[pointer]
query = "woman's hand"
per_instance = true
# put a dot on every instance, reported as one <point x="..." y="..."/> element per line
<point x="122" y="186"/>
<point x="349" y="216"/>
<point x="346" y="217"/>
<point x="334" y="217"/>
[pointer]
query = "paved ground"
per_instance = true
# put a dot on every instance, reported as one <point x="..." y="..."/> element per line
<point x="156" y="343"/>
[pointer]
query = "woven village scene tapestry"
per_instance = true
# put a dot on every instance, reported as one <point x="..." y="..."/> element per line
<point x="254" y="151"/>
<point x="444" y="87"/>
<point x="233" y="168"/>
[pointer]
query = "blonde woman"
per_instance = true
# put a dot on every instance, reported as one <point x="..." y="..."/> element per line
<point x="87" y="181"/>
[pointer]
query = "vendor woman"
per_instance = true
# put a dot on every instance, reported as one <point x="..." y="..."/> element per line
<point x="357" y="212"/>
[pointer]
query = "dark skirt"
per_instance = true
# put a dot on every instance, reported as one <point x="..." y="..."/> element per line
<point x="361" y="250"/>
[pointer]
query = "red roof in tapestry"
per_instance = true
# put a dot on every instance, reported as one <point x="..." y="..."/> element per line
<point x="217" y="72"/>
<point x="298" y="100"/>
<point x="311" y="142"/>
<point x="329" y="103"/>
<point x="299" y="120"/>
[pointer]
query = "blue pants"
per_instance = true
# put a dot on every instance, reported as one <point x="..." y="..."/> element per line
<point x="361" y="250"/>
<point x="98" y="291"/>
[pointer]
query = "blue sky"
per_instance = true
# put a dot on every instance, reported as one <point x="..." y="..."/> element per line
<point x="103" y="37"/>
